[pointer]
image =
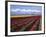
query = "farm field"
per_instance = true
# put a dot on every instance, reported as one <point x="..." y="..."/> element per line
<point x="25" y="23"/>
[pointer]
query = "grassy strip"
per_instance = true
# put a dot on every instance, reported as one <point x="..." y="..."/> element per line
<point x="24" y="27"/>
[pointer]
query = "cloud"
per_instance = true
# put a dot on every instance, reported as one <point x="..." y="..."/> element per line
<point x="24" y="10"/>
